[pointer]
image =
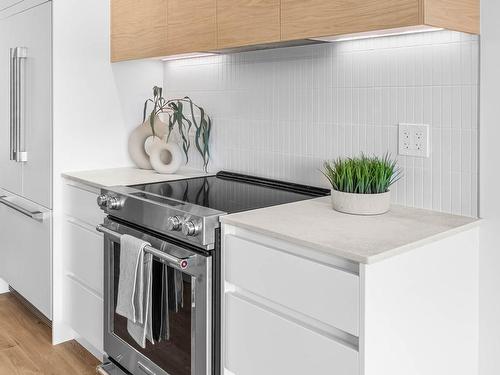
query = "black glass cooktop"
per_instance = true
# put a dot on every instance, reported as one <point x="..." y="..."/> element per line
<point x="232" y="192"/>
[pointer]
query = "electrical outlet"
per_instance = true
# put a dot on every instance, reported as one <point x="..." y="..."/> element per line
<point x="414" y="140"/>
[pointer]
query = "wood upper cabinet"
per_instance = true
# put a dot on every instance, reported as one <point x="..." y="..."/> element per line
<point x="460" y="15"/>
<point x="138" y="29"/>
<point x="192" y="26"/>
<point x="318" y="18"/>
<point x="247" y="22"/>
<point x="155" y="28"/>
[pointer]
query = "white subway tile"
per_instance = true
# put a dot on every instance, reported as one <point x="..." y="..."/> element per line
<point x="437" y="106"/>
<point x="280" y="113"/>
<point x="456" y="150"/>
<point x="456" y="191"/>
<point x="427" y="189"/>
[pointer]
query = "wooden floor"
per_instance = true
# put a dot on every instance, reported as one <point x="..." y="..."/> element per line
<point x="25" y="345"/>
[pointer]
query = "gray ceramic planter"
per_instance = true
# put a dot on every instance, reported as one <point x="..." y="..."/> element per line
<point x="361" y="204"/>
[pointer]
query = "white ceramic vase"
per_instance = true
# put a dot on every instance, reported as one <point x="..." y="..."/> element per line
<point x="166" y="158"/>
<point x="361" y="204"/>
<point x="137" y="142"/>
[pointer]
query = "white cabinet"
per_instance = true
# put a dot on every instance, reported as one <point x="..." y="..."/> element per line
<point x="34" y="33"/>
<point x="83" y="264"/>
<point x="84" y="310"/>
<point x="26" y="238"/>
<point x="319" y="291"/>
<point x="80" y="201"/>
<point x="25" y="252"/>
<point x="83" y="258"/>
<point x="29" y="29"/>
<point x="260" y="341"/>
<point x="294" y="310"/>
<point x="285" y="313"/>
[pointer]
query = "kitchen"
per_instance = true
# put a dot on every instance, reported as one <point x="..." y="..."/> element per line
<point x="283" y="86"/>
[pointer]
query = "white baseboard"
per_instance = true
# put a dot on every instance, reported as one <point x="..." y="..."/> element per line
<point x="4" y="287"/>
<point x="90" y="348"/>
<point x="61" y="332"/>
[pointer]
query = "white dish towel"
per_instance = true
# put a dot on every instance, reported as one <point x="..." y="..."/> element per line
<point x="134" y="289"/>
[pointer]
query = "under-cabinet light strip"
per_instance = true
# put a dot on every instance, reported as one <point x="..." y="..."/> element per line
<point x="187" y="56"/>
<point x="378" y="33"/>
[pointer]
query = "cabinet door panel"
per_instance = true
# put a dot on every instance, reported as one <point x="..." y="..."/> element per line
<point x="247" y="22"/>
<point x="259" y="341"/>
<point x="138" y="29"/>
<point x="315" y="18"/>
<point x="192" y="26"/>
<point x="83" y="311"/>
<point x="81" y="204"/>
<point x="33" y="31"/>
<point x="462" y="15"/>
<point x="327" y="294"/>
<point x="10" y="172"/>
<point x="83" y="254"/>
<point x="25" y="254"/>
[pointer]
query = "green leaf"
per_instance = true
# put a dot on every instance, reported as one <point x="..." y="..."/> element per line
<point x="193" y="117"/>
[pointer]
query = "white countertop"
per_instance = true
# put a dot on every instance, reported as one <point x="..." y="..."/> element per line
<point x="364" y="239"/>
<point x="128" y="176"/>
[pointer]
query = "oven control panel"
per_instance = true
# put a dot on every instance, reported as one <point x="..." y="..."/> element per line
<point x="187" y="222"/>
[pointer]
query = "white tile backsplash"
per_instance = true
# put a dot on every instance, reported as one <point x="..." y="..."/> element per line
<point x="279" y="113"/>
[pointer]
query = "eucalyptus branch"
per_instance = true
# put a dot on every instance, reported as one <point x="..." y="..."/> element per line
<point x="177" y="120"/>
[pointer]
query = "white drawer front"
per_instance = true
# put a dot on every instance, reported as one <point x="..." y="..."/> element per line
<point x="25" y="254"/>
<point x="84" y="312"/>
<point x="83" y="254"/>
<point x="82" y="204"/>
<point x="319" y="291"/>
<point x="261" y="342"/>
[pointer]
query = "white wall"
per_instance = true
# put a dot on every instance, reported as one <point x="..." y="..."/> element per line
<point x="96" y="105"/>
<point x="280" y="113"/>
<point x="489" y="193"/>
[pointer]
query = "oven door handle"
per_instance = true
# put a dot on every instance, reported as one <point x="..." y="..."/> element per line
<point x="182" y="263"/>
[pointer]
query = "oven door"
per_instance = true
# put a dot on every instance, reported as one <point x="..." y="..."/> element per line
<point x="186" y="348"/>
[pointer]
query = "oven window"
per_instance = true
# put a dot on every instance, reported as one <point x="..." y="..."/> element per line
<point x="171" y="317"/>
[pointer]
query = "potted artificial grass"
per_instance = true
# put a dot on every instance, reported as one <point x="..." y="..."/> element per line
<point x="360" y="185"/>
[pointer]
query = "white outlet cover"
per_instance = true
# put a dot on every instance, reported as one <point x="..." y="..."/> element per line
<point x="414" y="140"/>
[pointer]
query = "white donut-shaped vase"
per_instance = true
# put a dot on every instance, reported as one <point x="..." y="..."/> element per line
<point x="137" y="140"/>
<point x="166" y="158"/>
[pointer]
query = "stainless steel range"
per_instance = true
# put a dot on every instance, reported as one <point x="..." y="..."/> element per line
<point x="180" y="221"/>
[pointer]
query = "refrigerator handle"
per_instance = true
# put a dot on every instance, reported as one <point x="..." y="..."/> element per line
<point x="13" y="127"/>
<point x="20" y="55"/>
<point x="35" y="215"/>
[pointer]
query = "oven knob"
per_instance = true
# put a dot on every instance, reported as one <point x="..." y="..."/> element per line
<point x="190" y="228"/>
<point x="174" y="223"/>
<point x="114" y="203"/>
<point x="102" y="200"/>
